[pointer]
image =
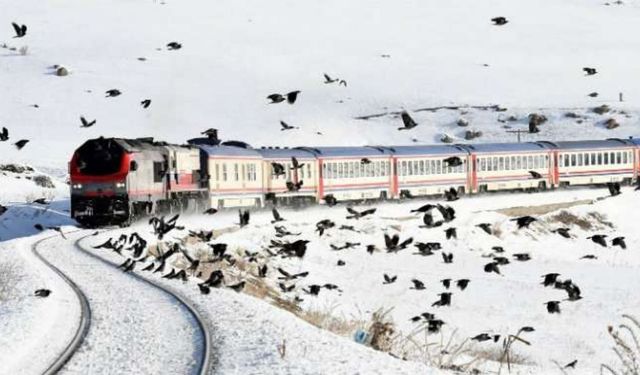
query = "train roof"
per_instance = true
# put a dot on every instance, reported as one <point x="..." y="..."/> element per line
<point x="481" y="148"/>
<point x="224" y="150"/>
<point x="357" y="151"/>
<point x="286" y="153"/>
<point x="429" y="150"/>
<point x="137" y="144"/>
<point x="635" y="141"/>
<point x="609" y="143"/>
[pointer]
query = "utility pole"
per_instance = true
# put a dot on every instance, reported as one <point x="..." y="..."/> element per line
<point x="518" y="132"/>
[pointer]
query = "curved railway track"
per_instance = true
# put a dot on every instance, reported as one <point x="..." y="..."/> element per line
<point x="204" y="361"/>
<point x="85" y="313"/>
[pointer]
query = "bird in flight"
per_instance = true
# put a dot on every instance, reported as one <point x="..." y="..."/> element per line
<point x="85" y="123"/>
<point x="499" y="21"/>
<point x="407" y="121"/>
<point x="21" y="30"/>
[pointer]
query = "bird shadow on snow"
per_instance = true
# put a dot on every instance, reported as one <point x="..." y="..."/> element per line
<point x="20" y="219"/>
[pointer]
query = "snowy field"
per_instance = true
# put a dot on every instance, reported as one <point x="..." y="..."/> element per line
<point x="234" y="54"/>
<point x="441" y="61"/>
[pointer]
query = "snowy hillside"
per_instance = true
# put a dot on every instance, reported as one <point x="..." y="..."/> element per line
<point x="393" y="55"/>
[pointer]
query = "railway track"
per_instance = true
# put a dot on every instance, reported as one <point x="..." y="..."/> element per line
<point x="203" y="358"/>
<point x="85" y="313"/>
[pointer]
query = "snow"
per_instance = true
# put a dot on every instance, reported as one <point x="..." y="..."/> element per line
<point x="235" y="54"/>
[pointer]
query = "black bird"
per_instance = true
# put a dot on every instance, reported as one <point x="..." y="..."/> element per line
<point x="453" y="161"/>
<point x="126" y="263"/>
<point x="564" y="232"/>
<point x="21" y="143"/>
<point x="286" y="126"/>
<point x="289" y="276"/>
<point x="599" y="239"/>
<point x="524" y="221"/>
<point x="3" y="209"/>
<point x="393" y="243"/>
<point x="85" y="123"/>
<point x="21" y="30"/>
<point x="408" y="122"/>
<point x="371" y="249"/>
<point x="499" y="21"/>
<point x="619" y="241"/>
<point x="276" y="216"/>
<point x="113" y="93"/>
<point x="571" y="364"/>
<point x="522" y="257"/>
<point x="314" y="289"/>
<point x="485" y="227"/>
<point x="614" y="188"/>
<point x="365" y="161"/>
<point x="291" y="97"/>
<point x="428" y="221"/>
<point x="173" y="46"/>
<point x="357" y="215"/>
<point x="328" y="79"/>
<point x="149" y="267"/>
<point x="445" y="300"/>
<point x="535" y="175"/>
<point x="434" y="325"/>
<point x="533" y="128"/>
<point x="38" y="226"/>
<point x="42" y="293"/>
<point x="425" y="208"/>
<point x="323" y="225"/>
<point x="589" y="71"/>
<point x="417" y="284"/>
<point x="589" y="256"/>
<point x="447" y="212"/>
<point x="40" y="201"/>
<point x="550" y="279"/>
<point x="389" y="279"/>
<point x="451" y="195"/>
<point x="462" y="283"/>
<point x="204" y="288"/>
<point x="446" y="283"/>
<point x="501" y="261"/>
<point x="291" y="186"/>
<point x="130" y="267"/>
<point x="341" y="262"/>
<point x="278" y="169"/>
<point x="447" y="258"/>
<point x="330" y="200"/>
<point x="262" y="271"/>
<point x="244" y="217"/>
<point x="238" y="287"/>
<point x="593" y="94"/>
<point x="492" y="267"/>
<point x="295" y="164"/>
<point x="286" y="289"/>
<point x="210" y="211"/>
<point x="145" y="103"/>
<point x="4" y="135"/>
<point x="483" y="337"/>
<point x="451" y="233"/>
<point x="553" y="307"/>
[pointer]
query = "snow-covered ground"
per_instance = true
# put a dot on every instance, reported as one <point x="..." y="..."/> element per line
<point x="492" y="303"/>
<point x="415" y="55"/>
<point x="234" y="54"/>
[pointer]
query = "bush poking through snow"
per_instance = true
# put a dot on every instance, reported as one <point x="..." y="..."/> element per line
<point x="626" y="340"/>
<point x="44" y="181"/>
<point x="8" y="276"/>
<point x="472" y="134"/>
<point x="62" y="71"/>
<point x="611" y="124"/>
<point x="602" y="109"/>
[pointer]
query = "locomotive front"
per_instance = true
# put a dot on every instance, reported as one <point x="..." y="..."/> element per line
<point x="98" y="173"/>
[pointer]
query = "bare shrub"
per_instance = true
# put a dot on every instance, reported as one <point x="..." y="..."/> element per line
<point x="24" y="50"/>
<point x="567" y="218"/>
<point x="626" y="347"/>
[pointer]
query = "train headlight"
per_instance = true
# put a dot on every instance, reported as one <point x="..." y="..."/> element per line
<point x="120" y="185"/>
<point x="77" y="186"/>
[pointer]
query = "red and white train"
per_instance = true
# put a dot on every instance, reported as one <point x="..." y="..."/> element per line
<point x="114" y="180"/>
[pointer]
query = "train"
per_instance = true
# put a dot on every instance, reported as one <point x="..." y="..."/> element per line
<point x="114" y="181"/>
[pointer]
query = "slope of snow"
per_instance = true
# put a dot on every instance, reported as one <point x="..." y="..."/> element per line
<point x="236" y="53"/>
<point x="497" y="304"/>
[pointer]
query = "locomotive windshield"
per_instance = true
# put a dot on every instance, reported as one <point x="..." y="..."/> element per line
<point x="99" y="157"/>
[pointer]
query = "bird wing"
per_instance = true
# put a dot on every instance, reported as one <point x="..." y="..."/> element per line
<point x="17" y="28"/>
<point x="284" y="125"/>
<point x="352" y="211"/>
<point x="369" y="211"/>
<point x="326" y="77"/>
<point x="276" y="214"/>
<point x="387" y="241"/>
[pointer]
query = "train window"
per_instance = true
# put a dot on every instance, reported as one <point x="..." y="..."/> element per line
<point x="235" y="172"/>
<point x="566" y="160"/>
<point x="224" y="171"/>
<point x="421" y="167"/>
<point x="331" y="171"/>
<point x="618" y="158"/>
<point x="403" y="168"/>
<point x="612" y="157"/>
<point x="580" y="160"/>
<point x="157" y="171"/>
<point x="593" y="158"/>
<point x="573" y="160"/>
<point x="217" y="172"/>
<point x="352" y="170"/>
<point x="606" y="158"/>
<point x="356" y="169"/>
<point x="501" y="163"/>
<point x="624" y="158"/>
<point x="339" y="171"/>
<point x="514" y="164"/>
<point x="243" y="175"/>
<point x="494" y="164"/>
<point x="345" y="170"/>
<point x="587" y="160"/>
<point x="377" y="168"/>
<point x="362" y="170"/>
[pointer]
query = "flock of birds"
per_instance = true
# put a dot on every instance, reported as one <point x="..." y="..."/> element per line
<point x="287" y="244"/>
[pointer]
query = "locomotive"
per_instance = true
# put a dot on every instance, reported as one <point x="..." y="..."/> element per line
<point x="116" y="180"/>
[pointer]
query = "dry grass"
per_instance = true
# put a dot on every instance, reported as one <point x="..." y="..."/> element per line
<point x="626" y="340"/>
<point x="593" y="220"/>
<point x="542" y="209"/>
